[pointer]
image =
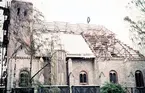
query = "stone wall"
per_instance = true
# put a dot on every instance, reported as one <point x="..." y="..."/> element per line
<point x="99" y="74"/>
<point x="20" y="64"/>
<point x="125" y="71"/>
<point x="79" y="65"/>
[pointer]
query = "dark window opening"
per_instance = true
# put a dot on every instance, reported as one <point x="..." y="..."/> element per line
<point x="18" y="11"/>
<point x="21" y="46"/>
<point x="83" y="77"/>
<point x="113" y="77"/>
<point x="24" y="79"/>
<point x="139" y="79"/>
<point x="113" y="54"/>
<point x="25" y="13"/>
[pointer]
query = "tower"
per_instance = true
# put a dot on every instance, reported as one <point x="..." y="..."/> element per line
<point x="21" y="21"/>
<point x="21" y="17"/>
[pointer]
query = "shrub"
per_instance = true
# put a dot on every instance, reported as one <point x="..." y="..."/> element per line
<point x="112" y="88"/>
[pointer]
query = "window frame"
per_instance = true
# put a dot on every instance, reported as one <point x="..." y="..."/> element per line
<point x="140" y="81"/>
<point x="115" y="77"/>
<point x="83" y="78"/>
<point x="25" y="80"/>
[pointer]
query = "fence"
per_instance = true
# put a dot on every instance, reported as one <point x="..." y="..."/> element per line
<point x="85" y="89"/>
<point x="135" y="90"/>
<point x="54" y="89"/>
<point x="66" y="89"/>
<point x="23" y="90"/>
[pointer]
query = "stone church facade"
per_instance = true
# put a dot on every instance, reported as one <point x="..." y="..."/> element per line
<point x="89" y="57"/>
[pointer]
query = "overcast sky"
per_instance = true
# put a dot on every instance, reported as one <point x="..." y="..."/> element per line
<point x="109" y="13"/>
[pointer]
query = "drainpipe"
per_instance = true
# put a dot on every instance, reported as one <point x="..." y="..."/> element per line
<point x="69" y="72"/>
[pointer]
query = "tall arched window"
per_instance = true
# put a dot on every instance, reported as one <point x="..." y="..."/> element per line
<point x="113" y="76"/>
<point x="24" y="79"/>
<point x="139" y="79"/>
<point x="83" y="77"/>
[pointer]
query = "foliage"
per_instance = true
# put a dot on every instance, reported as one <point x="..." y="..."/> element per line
<point x="42" y="89"/>
<point x="137" y="26"/>
<point x="112" y="88"/>
<point x="51" y="90"/>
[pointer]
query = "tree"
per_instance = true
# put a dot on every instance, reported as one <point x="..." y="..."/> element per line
<point x="137" y="26"/>
<point x="21" y="39"/>
<point x="33" y="43"/>
<point x="24" y="39"/>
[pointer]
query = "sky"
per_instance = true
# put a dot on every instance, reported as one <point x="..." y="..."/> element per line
<point x="109" y="13"/>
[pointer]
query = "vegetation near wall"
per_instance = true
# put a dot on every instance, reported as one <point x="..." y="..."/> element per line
<point x="112" y="88"/>
<point x="137" y="23"/>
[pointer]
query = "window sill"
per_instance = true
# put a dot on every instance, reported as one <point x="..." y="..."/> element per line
<point x="83" y="83"/>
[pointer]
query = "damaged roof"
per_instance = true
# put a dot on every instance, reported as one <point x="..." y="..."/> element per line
<point x="73" y="45"/>
<point x="80" y="40"/>
<point x="105" y="45"/>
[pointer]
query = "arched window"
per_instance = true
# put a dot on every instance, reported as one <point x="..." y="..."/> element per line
<point x="24" y="79"/>
<point x="83" y="77"/>
<point x="139" y="79"/>
<point x="113" y="76"/>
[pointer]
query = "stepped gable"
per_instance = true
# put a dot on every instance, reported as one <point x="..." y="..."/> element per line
<point x="104" y="45"/>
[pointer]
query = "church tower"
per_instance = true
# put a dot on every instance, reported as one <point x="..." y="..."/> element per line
<point x="20" y="27"/>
